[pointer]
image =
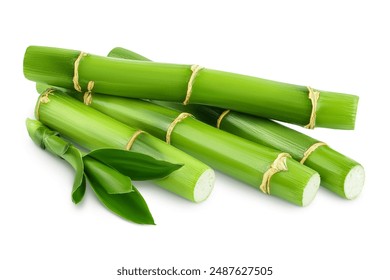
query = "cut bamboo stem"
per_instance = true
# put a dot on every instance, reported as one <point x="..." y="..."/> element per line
<point x="190" y="84"/>
<point x="92" y="129"/>
<point x="339" y="173"/>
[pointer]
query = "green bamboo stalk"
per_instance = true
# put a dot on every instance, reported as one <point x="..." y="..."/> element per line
<point x="92" y="129"/>
<point x="237" y="157"/>
<point x="173" y="82"/>
<point x="339" y="173"/>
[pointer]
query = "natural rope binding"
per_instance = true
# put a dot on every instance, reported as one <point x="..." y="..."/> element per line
<point x="195" y="70"/>
<point x="314" y="95"/>
<point x="88" y="94"/>
<point x="179" y="118"/>
<point x="279" y="164"/>
<point x="311" y="149"/>
<point x="224" y="113"/>
<point x="132" y="139"/>
<point x="44" y="98"/>
<point x="76" y="72"/>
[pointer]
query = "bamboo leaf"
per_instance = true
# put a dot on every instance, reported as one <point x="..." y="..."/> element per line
<point x="74" y="158"/>
<point x="55" y="145"/>
<point x="78" y="190"/>
<point x="112" y="181"/>
<point x="130" y="205"/>
<point x="135" y="165"/>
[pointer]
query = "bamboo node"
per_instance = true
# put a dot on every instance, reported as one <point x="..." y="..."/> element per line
<point x="195" y="70"/>
<point x="220" y="118"/>
<point x="132" y="139"/>
<point x="279" y="164"/>
<point x="178" y="119"/>
<point x="314" y="95"/>
<point x="88" y="94"/>
<point x="310" y="150"/>
<point x="44" y="98"/>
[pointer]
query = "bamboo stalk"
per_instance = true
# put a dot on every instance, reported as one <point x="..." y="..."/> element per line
<point x="339" y="173"/>
<point x="189" y="84"/>
<point x="237" y="157"/>
<point x="92" y="129"/>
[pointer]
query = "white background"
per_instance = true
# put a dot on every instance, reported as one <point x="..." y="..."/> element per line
<point x="334" y="45"/>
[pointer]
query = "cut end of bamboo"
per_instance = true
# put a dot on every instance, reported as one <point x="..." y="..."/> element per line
<point x="339" y="173"/>
<point x="298" y="185"/>
<point x="354" y="182"/>
<point x="311" y="189"/>
<point x="204" y="186"/>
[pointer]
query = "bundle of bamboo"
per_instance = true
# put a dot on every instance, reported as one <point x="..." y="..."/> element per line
<point x="277" y="160"/>
<point x="340" y="174"/>
<point x="235" y="156"/>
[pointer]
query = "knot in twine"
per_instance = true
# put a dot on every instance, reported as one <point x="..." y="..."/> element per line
<point x="314" y="95"/>
<point x="195" y="70"/>
<point x="178" y="119"/>
<point x="279" y="164"/>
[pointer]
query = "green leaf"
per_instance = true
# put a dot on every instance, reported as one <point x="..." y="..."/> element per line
<point x="78" y="190"/>
<point x="113" y="181"/>
<point x="130" y="205"/>
<point x="74" y="157"/>
<point x="135" y="165"/>
<point x="55" y="145"/>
